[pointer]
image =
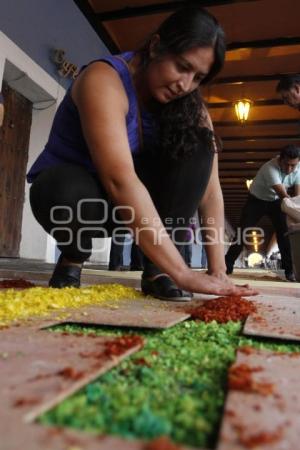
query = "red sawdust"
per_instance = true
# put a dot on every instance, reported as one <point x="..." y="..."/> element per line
<point x="240" y="379"/>
<point x="70" y="373"/>
<point x="247" y="350"/>
<point x="161" y="443"/>
<point x="119" y="345"/>
<point x="258" y="439"/>
<point x="26" y="401"/>
<point x="222" y="309"/>
<point x="260" y="320"/>
<point x="141" y="362"/>
<point x="17" y="283"/>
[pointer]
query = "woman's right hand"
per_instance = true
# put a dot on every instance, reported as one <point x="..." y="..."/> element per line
<point x="202" y="283"/>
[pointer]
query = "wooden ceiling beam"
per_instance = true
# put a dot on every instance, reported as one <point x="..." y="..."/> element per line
<point x="233" y="172"/>
<point x="282" y="137"/>
<point x="246" y="79"/>
<point x="265" y="43"/>
<point x="158" y="8"/>
<point x="232" y="187"/>
<point x="242" y="161"/>
<point x="265" y="102"/>
<point x="229" y="166"/>
<point x="243" y="158"/>
<point x="233" y="123"/>
<point x="101" y="31"/>
<point x="230" y="182"/>
<point x="249" y="151"/>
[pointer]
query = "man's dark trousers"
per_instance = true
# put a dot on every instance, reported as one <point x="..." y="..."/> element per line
<point x="253" y="211"/>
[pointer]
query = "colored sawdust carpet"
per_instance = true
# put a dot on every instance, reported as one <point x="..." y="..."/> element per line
<point x="175" y="386"/>
<point x="16" y="305"/>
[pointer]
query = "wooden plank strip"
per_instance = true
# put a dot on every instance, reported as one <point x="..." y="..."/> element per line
<point x="39" y="369"/>
<point x="276" y="317"/>
<point x="262" y="407"/>
<point x="38" y="437"/>
<point x="140" y="313"/>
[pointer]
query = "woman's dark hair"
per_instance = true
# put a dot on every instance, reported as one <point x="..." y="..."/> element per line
<point x="286" y="82"/>
<point x="180" y="119"/>
<point x="290" y="152"/>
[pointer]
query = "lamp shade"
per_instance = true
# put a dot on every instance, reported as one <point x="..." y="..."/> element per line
<point x="242" y="109"/>
<point x="248" y="183"/>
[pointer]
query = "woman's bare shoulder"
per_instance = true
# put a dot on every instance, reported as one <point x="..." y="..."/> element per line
<point x="99" y="77"/>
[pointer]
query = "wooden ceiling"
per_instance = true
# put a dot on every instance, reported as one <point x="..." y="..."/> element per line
<point x="263" y="39"/>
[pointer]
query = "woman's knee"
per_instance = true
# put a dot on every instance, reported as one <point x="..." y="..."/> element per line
<point x="67" y="194"/>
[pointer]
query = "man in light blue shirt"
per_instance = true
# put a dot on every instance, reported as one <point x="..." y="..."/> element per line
<point x="269" y="187"/>
<point x="274" y="178"/>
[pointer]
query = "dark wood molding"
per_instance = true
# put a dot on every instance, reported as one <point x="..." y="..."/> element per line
<point x="233" y="123"/>
<point x="96" y="24"/>
<point x="158" y="8"/>
<point x="265" y="43"/>
<point x="248" y="78"/>
<point x="281" y="137"/>
<point x="243" y="161"/>
<point x="267" y="102"/>
<point x="250" y="150"/>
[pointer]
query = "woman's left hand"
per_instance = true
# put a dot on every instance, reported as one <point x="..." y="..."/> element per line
<point x="221" y="275"/>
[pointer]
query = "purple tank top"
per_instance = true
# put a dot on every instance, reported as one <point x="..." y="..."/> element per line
<point x="66" y="142"/>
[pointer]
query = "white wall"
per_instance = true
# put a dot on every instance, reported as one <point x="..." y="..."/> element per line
<point x="46" y="94"/>
<point x="34" y="241"/>
<point x="36" y="85"/>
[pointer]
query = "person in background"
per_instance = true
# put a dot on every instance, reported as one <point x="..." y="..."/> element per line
<point x="116" y="255"/>
<point x="133" y="139"/>
<point x="289" y="89"/>
<point x="267" y="190"/>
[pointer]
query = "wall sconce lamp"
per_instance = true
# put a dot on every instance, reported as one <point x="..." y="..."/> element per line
<point x="242" y="109"/>
<point x="248" y="183"/>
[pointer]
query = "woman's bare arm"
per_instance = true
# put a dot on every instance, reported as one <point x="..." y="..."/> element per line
<point x="211" y="210"/>
<point x="103" y="105"/>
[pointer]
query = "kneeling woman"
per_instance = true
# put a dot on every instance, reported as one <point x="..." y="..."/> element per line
<point x="132" y="142"/>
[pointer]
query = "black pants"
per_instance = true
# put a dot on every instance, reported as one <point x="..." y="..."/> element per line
<point x="116" y="255"/>
<point x="58" y="202"/>
<point x="252" y="212"/>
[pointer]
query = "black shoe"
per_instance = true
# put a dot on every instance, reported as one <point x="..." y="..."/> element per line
<point x="290" y="277"/>
<point x="115" y="268"/>
<point x="65" y="275"/>
<point x="136" y="268"/>
<point x="165" y="289"/>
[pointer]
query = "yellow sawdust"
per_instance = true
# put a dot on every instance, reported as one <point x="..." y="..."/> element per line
<point x="41" y="301"/>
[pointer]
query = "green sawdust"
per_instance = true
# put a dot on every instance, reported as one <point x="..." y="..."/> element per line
<point x="175" y="386"/>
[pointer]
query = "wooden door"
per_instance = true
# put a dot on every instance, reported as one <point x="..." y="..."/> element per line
<point x="14" y="141"/>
